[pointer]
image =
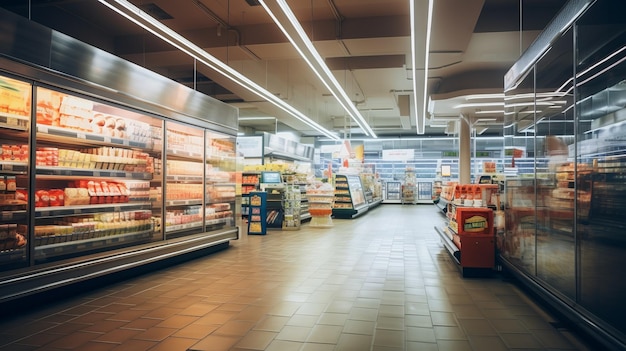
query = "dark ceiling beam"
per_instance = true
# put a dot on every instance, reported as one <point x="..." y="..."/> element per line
<point x="378" y="27"/>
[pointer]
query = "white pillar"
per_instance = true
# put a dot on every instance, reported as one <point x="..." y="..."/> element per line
<point x="464" y="151"/>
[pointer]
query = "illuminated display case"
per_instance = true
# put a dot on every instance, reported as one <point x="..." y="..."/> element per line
<point x="349" y="197"/>
<point x="565" y="106"/>
<point x="99" y="174"/>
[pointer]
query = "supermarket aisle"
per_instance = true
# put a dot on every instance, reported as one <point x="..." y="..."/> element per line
<point x="379" y="282"/>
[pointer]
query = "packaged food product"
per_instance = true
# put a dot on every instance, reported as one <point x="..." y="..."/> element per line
<point x="42" y="198"/>
<point x="11" y="184"/>
<point x="56" y="197"/>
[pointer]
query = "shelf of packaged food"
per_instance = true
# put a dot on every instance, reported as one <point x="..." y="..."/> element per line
<point x="12" y="255"/>
<point x="56" y="171"/>
<point x="189" y="202"/>
<point x="182" y="154"/>
<point x="217" y="221"/>
<point x="52" y="133"/>
<point x="182" y="227"/>
<point x="442" y="204"/>
<point x="13" y="167"/>
<point x="446" y="240"/>
<point x="63" y="211"/>
<point x="217" y="200"/>
<point x="14" y="121"/>
<point x="55" y="245"/>
<point x="17" y="215"/>
<point x="184" y="178"/>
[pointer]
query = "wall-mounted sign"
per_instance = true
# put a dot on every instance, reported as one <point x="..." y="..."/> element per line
<point x="250" y="146"/>
<point x="398" y="155"/>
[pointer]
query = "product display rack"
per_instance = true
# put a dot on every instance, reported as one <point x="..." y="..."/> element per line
<point x="426" y="168"/>
<point x="304" y="203"/>
<point x="469" y="237"/>
<point x="250" y="182"/>
<point x="320" y="207"/>
<point x="275" y="210"/>
<point x="291" y="207"/>
<point x="409" y="187"/>
<point x="372" y="189"/>
<point x="349" y="197"/>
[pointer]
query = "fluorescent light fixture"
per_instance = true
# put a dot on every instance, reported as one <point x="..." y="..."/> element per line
<point x="142" y="19"/>
<point x="489" y="112"/>
<point x="484" y="96"/>
<point x="256" y="118"/>
<point x="480" y="104"/>
<point x="307" y="51"/>
<point x="420" y="114"/>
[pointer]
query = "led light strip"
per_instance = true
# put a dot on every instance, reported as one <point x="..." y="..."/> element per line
<point x="307" y="51"/>
<point x="420" y="118"/>
<point x="142" y="19"/>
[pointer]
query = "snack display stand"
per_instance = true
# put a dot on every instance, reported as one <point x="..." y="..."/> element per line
<point x="291" y="207"/>
<point x="349" y="197"/>
<point x="321" y="201"/>
<point x="257" y="218"/>
<point x="469" y="235"/>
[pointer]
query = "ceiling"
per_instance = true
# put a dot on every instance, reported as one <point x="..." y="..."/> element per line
<point x="365" y="43"/>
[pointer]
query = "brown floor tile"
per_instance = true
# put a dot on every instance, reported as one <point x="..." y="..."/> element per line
<point x="118" y="336"/>
<point x="135" y="345"/>
<point x="73" y="341"/>
<point x="256" y="340"/>
<point x="377" y="283"/>
<point x="155" y="334"/>
<point x="214" y="343"/>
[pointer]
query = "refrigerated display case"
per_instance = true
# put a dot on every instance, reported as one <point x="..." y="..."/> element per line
<point x="220" y="177"/>
<point x="563" y="234"/>
<point x="15" y="112"/>
<point x="349" y="197"/>
<point x="92" y="188"/>
<point x="393" y="193"/>
<point x="100" y="174"/>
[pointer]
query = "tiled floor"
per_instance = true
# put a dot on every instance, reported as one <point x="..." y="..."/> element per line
<point x="379" y="282"/>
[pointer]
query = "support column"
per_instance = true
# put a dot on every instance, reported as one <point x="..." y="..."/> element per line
<point x="464" y="151"/>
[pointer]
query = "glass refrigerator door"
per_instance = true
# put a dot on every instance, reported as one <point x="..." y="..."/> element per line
<point x="94" y="167"/>
<point x="15" y="112"/>
<point x="220" y="181"/>
<point x="184" y="186"/>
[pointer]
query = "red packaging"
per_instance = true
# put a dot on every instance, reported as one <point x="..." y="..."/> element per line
<point x="56" y="197"/>
<point x="21" y="194"/>
<point x="42" y="198"/>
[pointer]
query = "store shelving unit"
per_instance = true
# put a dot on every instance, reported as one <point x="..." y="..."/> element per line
<point x="291" y="207"/>
<point x="469" y="238"/>
<point x="422" y="168"/>
<point x="250" y="182"/>
<point x="409" y="187"/>
<point x="320" y="207"/>
<point x="275" y="210"/>
<point x="372" y="188"/>
<point x="349" y="197"/>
